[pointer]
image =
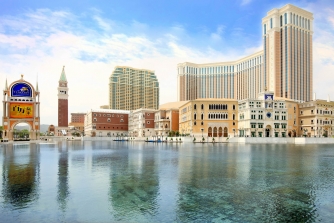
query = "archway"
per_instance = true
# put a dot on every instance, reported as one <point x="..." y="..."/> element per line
<point x="210" y="132"/>
<point x="215" y="132"/>
<point x="220" y="130"/>
<point x="21" y="131"/>
<point x="268" y="129"/>
<point x="225" y="132"/>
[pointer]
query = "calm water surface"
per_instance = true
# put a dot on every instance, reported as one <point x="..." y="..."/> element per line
<point x="138" y="182"/>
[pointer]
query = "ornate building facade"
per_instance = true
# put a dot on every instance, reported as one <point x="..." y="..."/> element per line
<point x="20" y="105"/>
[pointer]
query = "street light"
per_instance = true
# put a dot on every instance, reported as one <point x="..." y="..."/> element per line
<point x="202" y="132"/>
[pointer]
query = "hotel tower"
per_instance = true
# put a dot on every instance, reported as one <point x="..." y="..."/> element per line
<point x="131" y="89"/>
<point x="284" y="66"/>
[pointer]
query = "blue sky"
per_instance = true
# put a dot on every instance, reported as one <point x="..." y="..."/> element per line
<point x="91" y="37"/>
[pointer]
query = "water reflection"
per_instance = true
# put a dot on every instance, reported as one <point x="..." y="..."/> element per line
<point x="20" y="174"/>
<point x="134" y="184"/>
<point x="277" y="187"/>
<point x="63" y="188"/>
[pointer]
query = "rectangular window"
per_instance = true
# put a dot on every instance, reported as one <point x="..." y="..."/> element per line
<point x="285" y="18"/>
<point x="265" y="29"/>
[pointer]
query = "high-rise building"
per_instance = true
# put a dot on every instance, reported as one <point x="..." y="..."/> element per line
<point x="131" y="89"/>
<point x="62" y="100"/>
<point x="284" y="66"/>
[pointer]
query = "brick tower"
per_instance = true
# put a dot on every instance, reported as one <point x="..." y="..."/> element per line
<point x="63" y="100"/>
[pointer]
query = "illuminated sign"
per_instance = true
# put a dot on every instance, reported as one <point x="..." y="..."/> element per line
<point x="21" y="90"/>
<point x="20" y="110"/>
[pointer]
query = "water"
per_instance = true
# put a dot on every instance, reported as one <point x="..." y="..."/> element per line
<point x="140" y="182"/>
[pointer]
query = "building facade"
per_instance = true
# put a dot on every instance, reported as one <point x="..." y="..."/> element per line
<point x="209" y="118"/>
<point x="284" y="66"/>
<point x="141" y="123"/>
<point x="316" y="118"/>
<point x="264" y="117"/>
<point x="131" y="89"/>
<point x="77" y="123"/>
<point x="167" y="118"/>
<point x="106" y="123"/>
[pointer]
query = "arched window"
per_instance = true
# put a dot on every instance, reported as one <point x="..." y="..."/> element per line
<point x="202" y="106"/>
<point x="215" y="132"/>
<point x="210" y="132"/>
<point x="233" y="116"/>
<point x="195" y="106"/>
<point x="194" y="123"/>
<point x="202" y="116"/>
<point x="226" y="107"/>
<point x="225" y="132"/>
<point x="220" y="132"/>
<point x="195" y="116"/>
<point x="226" y="116"/>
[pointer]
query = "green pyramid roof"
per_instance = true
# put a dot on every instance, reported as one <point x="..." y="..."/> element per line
<point x="63" y="76"/>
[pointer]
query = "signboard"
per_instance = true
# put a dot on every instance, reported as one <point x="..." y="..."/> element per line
<point x="268" y="97"/>
<point x="21" y="110"/>
<point x="21" y="90"/>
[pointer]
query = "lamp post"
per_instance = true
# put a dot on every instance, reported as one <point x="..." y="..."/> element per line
<point x="202" y="132"/>
<point x="234" y="132"/>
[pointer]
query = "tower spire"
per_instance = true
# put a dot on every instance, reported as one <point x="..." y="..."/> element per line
<point x="63" y="76"/>
<point x="37" y="84"/>
<point x="6" y="85"/>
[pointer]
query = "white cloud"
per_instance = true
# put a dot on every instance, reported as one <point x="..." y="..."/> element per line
<point x="245" y="2"/>
<point x="41" y="42"/>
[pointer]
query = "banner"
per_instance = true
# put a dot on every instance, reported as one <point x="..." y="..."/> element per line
<point x="21" y="110"/>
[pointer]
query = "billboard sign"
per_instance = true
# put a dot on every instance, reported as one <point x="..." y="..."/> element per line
<point x="21" y="90"/>
<point x="21" y="110"/>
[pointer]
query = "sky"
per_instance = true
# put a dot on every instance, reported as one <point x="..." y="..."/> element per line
<point x="90" y="38"/>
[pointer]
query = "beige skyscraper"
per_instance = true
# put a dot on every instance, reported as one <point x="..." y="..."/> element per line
<point x="284" y="66"/>
<point x="131" y="89"/>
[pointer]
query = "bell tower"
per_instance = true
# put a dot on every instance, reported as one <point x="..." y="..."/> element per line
<point x="63" y="100"/>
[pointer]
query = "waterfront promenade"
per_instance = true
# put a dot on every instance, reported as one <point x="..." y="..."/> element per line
<point x="242" y="140"/>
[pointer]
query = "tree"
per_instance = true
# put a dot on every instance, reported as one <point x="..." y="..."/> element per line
<point x="171" y="133"/>
<point x="1" y="130"/>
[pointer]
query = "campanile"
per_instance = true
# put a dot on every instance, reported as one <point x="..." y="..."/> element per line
<point x="63" y="100"/>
